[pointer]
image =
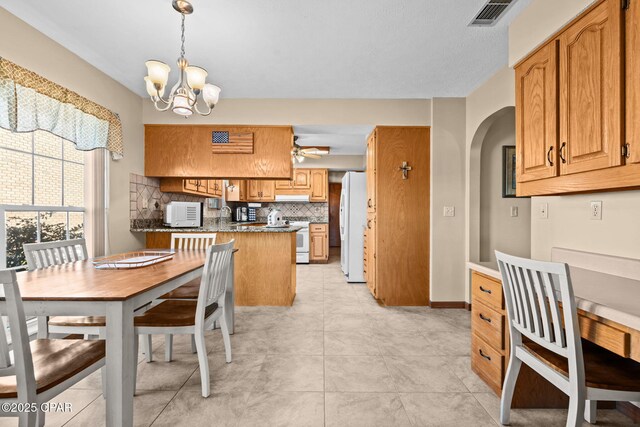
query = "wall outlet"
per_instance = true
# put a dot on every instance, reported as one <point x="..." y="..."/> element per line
<point x="596" y="210"/>
<point x="449" y="211"/>
<point x="543" y="210"/>
<point x="514" y="211"/>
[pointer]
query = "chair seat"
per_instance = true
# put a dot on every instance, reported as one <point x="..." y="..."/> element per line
<point x="95" y="321"/>
<point x="172" y="313"/>
<point x="187" y="291"/>
<point x="55" y="361"/>
<point x="603" y="369"/>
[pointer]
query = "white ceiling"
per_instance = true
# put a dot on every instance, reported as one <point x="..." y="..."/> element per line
<point x="287" y="48"/>
<point x="342" y="140"/>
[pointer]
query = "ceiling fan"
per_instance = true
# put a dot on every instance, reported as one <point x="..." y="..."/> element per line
<point x="300" y="153"/>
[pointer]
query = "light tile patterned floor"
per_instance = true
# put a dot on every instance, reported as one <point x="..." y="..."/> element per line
<point x="335" y="358"/>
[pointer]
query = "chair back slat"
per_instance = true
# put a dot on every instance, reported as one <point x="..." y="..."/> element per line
<point x="25" y="378"/>
<point x="192" y="241"/>
<point x="214" y="277"/>
<point x="47" y="254"/>
<point x="533" y="290"/>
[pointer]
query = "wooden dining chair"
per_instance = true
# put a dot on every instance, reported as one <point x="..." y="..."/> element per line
<point x="188" y="291"/>
<point x="48" y="254"/>
<point x="194" y="317"/>
<point x="42" y="368"/>
<point x="546" y="337"/>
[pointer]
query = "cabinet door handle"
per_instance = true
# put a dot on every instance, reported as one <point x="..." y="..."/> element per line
<point x="549" y="156"/>
<point x="484" y="355"/>
<point x="486" y="291"/>
<point x="486" y="319"/>
<point x="562" y="147"/>
<point x="369" y="224"/>
<point x="369" y="203"/>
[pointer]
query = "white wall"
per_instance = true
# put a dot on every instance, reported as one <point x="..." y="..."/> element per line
<point x="27" y="47"/>
<point x="498" y="229"/>
<point x="538" y="22"/>
<point x="447" y="189"/>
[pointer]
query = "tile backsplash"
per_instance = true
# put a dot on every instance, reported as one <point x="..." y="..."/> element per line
<point x="319" y="211"/>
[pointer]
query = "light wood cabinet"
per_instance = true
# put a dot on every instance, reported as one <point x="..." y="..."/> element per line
<point x="301" y="181"/>
<point x="195" y="187"/>
<point x="319" y="242"/>
<point x="236" y="191"/>
<point x="537" y="115"/>
<point x="260" y="191"/>
<point x="397" y="234"/>
<point x="591" y="90"/>
<point x="632" y="71"/>
<point x="371" y="173"/>
<point x="319" y="185"/>
<point x="597" y="103"/>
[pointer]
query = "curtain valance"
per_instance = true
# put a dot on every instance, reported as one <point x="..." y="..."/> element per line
<point x="29" y="102"/>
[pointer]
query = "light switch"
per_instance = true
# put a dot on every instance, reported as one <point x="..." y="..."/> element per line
<point x="449" y="211"/>
<point x="514" y="211"/>
<point x="596" y="210"/>
<point x="543" y="210"/>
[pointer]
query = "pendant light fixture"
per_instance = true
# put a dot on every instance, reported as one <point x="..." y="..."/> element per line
<point x="183" y="97"/>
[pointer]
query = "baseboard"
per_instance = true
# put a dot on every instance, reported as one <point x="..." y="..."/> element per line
<point x="448" y="304"/>
<point x="467" y="305"/>
<point x="630" y="410"/>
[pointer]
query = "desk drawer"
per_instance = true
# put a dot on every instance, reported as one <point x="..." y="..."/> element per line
<point x="614" y="340"/>
<point x="487" y="362"/>
<point x="488" y="324"/>
<point x="487" y="290"/>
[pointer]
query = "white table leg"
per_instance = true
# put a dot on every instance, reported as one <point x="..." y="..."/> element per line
<point x="120" y="363"/>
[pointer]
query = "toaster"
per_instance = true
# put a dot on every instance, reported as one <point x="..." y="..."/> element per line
<point x="183" y="214"/>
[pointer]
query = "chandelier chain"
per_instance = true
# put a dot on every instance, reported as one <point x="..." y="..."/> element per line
<point x="182" y="38"/>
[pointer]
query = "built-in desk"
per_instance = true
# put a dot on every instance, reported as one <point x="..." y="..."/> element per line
<point x="607" y="291"/>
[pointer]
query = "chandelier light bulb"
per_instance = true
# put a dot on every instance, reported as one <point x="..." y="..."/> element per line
<point x="158" y="72"/>
<point x="151" y="89"/>
<point x="211" y="94"/>
<point x="182" y="105"/>
<point x="196" y="77"/>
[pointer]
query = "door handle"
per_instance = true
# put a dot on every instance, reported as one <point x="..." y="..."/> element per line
<point x="564" y="144"/>
<point x="548" y="156"/>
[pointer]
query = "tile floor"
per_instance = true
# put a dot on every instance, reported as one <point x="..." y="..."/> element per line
<point x="335" y="358"/>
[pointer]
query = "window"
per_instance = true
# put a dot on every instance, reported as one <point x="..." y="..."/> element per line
<point x="41" y="192"/>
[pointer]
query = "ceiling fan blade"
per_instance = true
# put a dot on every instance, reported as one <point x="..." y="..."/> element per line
<point x="311" y="155"/>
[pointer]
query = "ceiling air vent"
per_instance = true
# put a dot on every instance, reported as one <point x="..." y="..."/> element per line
<point x="491" y="13"/>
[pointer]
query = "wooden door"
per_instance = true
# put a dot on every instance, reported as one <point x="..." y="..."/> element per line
<point x="267" y="191"/>
<point x="591" y="91"/>
<point x="284" y="185"/>
<point x="253" y="190"/>
<point x="319" y="184"/>
<point x="318" y="246"/>
<point x="191" y="184"/>
<point x="301" y="179"/>
<point x="632" y="32"/>
<point x="371" y="172"/>
<point x="537" y="115"/>
<point x="335" y="188"/>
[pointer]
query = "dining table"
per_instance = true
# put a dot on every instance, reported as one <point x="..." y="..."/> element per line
<point x="81" y="289"/>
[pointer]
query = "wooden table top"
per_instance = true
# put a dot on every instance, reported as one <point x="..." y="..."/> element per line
<point x="81" y="281"/>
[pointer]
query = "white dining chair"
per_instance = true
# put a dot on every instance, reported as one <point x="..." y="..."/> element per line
<point x="188" y="291"/>
<point x="546" y="337"/>
<point x="194" y="317"/>
<point x="43" y="368"/>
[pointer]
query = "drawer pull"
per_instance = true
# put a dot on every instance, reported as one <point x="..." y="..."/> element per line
<point x="484" y="355"/>
<point x="486" y="319"/>
<point x="487" y="291"/>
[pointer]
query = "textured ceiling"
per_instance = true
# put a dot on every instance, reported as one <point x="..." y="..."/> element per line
<point x="287" y="48"/>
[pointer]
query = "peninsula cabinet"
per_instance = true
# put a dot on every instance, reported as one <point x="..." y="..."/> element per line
<point x="570" y="106"/>
<point x="396" y="256"/>
<point x="188" y="151"/>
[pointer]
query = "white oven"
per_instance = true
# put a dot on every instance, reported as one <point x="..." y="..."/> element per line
<point x="302" y="241"/>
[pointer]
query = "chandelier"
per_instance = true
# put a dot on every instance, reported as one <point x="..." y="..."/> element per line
<point x="183" y="97"/>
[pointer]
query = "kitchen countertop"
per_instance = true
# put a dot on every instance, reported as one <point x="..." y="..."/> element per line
<point x="606" y="295"/>
<point x="224" y="228"/>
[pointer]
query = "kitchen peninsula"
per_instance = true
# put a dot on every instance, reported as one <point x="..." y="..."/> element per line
<point x="265" y="264"/>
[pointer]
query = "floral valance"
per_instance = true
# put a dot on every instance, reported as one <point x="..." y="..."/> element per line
<point x="29" y="102"/>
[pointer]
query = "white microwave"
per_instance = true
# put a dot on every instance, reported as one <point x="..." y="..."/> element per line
<point x="183" y="214"/>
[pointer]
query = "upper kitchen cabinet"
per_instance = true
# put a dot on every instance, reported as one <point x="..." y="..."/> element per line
<point x="187" y="151"/>
<point x="197" y="187"/>
<point x="319" y="185"/>
<point x="591" y="84"/>
<point x="632" y="43"/>
<point x="537" y="115"/>
<point x="301" y="181"/>
<point x="570" y="130"/>
<point x="236" y="191"/>
<point x="261" y="191"/>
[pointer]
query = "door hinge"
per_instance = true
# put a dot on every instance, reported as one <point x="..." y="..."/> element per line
<point x="626" y="152"/>
<point x="626" y="4"/>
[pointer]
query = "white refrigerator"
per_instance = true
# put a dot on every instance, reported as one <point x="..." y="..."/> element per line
<point x="353" y="218"/>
